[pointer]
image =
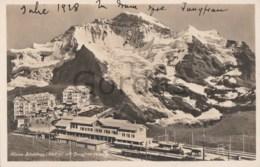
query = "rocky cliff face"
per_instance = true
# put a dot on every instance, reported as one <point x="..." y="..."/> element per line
<point x="143" y="69"/>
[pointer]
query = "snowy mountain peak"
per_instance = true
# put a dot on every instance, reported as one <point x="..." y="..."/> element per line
<point x="205" y="37"/>
<point x="136" y="18"/>
<point x="191" y="29"/>
<point x="190" y="73"/>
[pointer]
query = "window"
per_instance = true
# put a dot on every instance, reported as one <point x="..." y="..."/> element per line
<point x="74" y="126"/>
<point x="107" y="131"/>
<point x="128" y="135"/>
<point x="115" y="132"/>
<point x="123" y="134"/>
<point x="133" y="136"/>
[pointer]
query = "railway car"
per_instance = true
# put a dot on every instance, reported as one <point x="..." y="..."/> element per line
<point x="129" y="146"/>
<point x="170" y="147"/>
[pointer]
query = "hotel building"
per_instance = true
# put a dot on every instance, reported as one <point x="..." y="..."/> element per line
<point x="78" y="95"/>
<point x="26" y="104"/>
<point x="106" y="129"/>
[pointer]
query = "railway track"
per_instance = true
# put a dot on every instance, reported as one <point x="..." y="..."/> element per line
<point x="243" y="155"/>
<point x="152" y="153"/>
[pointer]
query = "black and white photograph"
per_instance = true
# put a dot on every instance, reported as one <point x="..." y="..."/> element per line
<point x="121" y="81"/>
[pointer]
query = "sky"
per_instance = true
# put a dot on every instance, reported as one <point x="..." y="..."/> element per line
<point x="237" y="23"/>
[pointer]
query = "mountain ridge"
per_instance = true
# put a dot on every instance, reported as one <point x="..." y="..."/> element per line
<point x="183" y="75"/>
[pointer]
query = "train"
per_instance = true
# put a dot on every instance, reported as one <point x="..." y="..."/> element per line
<point x="163" y="147"/>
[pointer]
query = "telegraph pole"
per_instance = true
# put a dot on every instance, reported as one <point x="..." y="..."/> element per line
<point x="174" y="135"/>
<point x="192" y="139"/>
<point x="70" y="150"/>
<point x="243" y="142"/>
<point x="33" y="142"/>
<point x="49" y="137"/>
<point x="204" y="144"/>
<point x="230" y="142"/>
<point x="166" y="136"/>
<point x="229" y="148"/>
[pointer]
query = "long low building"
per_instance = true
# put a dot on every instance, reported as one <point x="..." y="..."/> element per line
<point x="82" y="142"/>
<point x="105" y="129"/>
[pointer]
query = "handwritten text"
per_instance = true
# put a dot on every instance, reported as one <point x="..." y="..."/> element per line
<point x="100" y="5"/>
<point x="155" y="9"/>
<point x="125" y="5"/>
<point x="35" y="10"/>
<point x="201" y="10"/>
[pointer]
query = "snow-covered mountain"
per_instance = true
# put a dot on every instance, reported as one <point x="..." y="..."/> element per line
<point x="159" y="75"/>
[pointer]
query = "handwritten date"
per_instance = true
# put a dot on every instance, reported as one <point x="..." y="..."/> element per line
<point x="35" y="9"/>
<point x="40" y="10"/>
<point x="64" y="7"/>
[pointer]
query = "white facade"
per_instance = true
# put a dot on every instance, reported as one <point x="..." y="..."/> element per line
<point x="26" y="104"/>
<point x="108" y="129"/>
<point x="78" y="95"/>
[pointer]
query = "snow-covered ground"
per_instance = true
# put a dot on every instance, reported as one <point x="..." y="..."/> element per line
<point x="148" y="19"/>
<point x="24" y="82"/>
<point x="127" y="71"/>
<point x="185" y="118"/>
<point x="190" y="101"/>
<point x="192" y="86"/>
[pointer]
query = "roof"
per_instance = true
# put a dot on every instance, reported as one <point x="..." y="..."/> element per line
<point x="67" y="117"/>
<point x="21" y="117"/>
<point x="121" y="143"/>
<point x="196" y="149"/>
<point x="136" y="139"/>
<point x="80" y="140"/>
<point x="108" y="122"/>
<point x="18" y="97"/>
<point x="79" y="88"/>
<point x="118" y="137"/>
<point x="112" y="122"/>
<point x="63" y="123"/>
<point x="84" y="120"/>
<point x="90" y="141"/>
<point x="37" y="96"/>
<point x="169" y="143"/>
<point x="121" y="124"/>
<point x="66" y="137"/>
<point x="90" y="107"/>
